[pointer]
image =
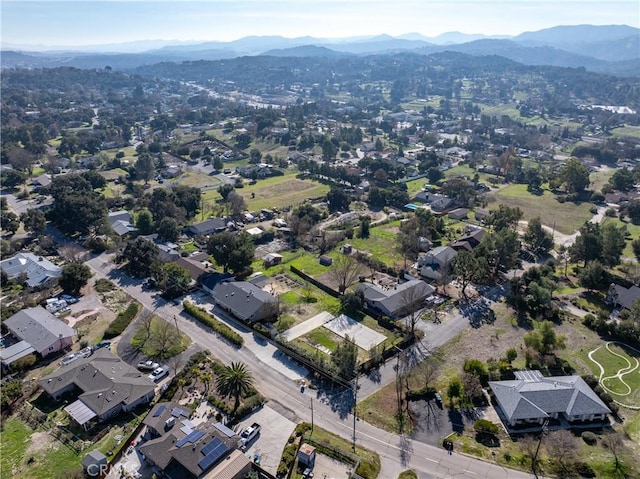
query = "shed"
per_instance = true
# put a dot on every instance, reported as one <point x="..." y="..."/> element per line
<point x="325" y="260"/>
<point x="272" y="259"/>
<point x="94" y="462"/>
<point x="307" y="455"/>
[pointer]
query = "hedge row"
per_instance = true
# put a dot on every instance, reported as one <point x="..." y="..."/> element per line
<point x="123" y="320"/>
<point x="210" y="321"/>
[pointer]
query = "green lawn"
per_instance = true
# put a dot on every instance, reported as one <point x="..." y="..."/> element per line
<point x="567" y="217"/>
<point x="152" y="346"/>
<point x="197" y="179"/>
<point x="627" y="388"/>
<point x="276" y="192"/>
<point x="467" y="171"/>
<point x="627" y="131"/>
<point x="380" y="243"/>
<point x="415" y="186"/>
<point x="56" y="461"/>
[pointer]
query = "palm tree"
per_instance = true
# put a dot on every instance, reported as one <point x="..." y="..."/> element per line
<point x="234" y="381"/>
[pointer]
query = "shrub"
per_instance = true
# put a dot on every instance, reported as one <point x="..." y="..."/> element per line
<point x="589" y="437"/>
<point x="485" y="426"/>
<point x="123" y="320"/>
<point x="210" y="321"/>
<point x="584" y="469"/>
<point x="103" y="285"/>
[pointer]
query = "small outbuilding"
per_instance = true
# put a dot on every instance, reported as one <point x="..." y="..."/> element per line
<point x="307" y="455"/>
<point x="94" y="463"/>
<point x="325" y="260"/>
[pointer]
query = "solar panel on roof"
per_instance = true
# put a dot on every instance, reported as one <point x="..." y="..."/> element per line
<point x="213" y="456"/>
<point x="159" y="410"/>
<point x="224" y="429"/>
<point x="178" y="412"/>
<point x="193" y="436"/>
<point x="211" y="446"/>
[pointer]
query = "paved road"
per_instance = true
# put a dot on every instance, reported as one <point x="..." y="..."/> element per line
<point x="331" y="409"/>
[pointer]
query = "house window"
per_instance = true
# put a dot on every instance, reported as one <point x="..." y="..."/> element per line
<point x="50" y="348"/>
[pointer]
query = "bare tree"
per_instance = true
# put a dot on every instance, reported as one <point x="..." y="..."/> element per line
<point x="411" y="304"/>
<point x="614" y="443"/>
<point x="176" y="363"/>
<point x="429" y="371"/>
<point x="165" y="336"/>
<point x="562" y="446"/>
<point x="307" y="291"/>
<point x="346" y="271"/>
<point x="472" y="386"/>
<point x="72" y="252"/>
<point x="529" y="445"/>
<point x="146" y="321"/>
<point x="236" y="203"/>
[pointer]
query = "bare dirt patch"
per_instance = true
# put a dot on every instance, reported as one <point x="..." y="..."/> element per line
<point x="39" y="442"/>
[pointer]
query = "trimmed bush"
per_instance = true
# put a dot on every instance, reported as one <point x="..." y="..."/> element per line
<point x="123" y="320"/>
<point x="210" y="321"/>
<point x="589" y="437"/>
<point x="487" y="427"/>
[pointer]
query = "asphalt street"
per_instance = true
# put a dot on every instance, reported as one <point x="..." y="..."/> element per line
<point x="331" y="410"/>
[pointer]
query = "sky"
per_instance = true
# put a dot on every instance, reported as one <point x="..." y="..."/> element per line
<point x="52" y="23"/>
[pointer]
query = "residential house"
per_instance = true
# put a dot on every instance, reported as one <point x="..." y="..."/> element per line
<point x="245" y="301"/>
<point x="394" y="301"/>
<point x="212" y="278"/>
<point x="255" y="171"/>
<point x="532" y="398"/>
<point x="171" y="171"/>
<point x="621" y="297"/>
<point x="184" y="450"/>
<point x="436" y="264"/>
<point x="37" y="270"/>
<point x="41" y="330"/>
<point x="210" y="226"/>
<point x="197" y="264"/>
<point x="41" y="181"/>
<point x="458" y="214"/>
<point x="122" y="223"/>
<point x="470" y="240"/>
<point x="481" y="215"/>
<point x="107" y="387"/>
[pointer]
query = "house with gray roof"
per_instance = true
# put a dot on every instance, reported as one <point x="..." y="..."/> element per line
<point x="212" y="225"/>
<point x="532" y="398"/>
<point x="41" y="330"/>
<point x="393" y="301"/>
<point x="188" y="451"/>
<point x="38" y="270"/>
<point x="621" y="297"/>
<point x="107" y="386"/>
<point x="436" y="264"/>
<point x="245" y="301"/>
<point x="122" y="222"/>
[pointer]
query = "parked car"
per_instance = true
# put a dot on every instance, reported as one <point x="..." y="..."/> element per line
<point x="148" y="365"/>
<point x="83" y="353"/>
<point x="158" y="373"/>
<point x="69" y="299"/>
<point x="103" y="344"/>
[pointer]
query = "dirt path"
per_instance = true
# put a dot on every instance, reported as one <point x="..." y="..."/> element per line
<point x="561" y="238"/>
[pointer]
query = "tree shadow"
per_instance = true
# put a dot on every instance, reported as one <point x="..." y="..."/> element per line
<point x="456" y="420"/>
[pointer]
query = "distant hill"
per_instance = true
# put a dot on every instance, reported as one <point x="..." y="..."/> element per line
<point x="613" y="49"/>
<point x="562" y="36"/>
<point x="309" y="51"/>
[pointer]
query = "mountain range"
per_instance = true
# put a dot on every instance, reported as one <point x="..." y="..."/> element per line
<point x="611" y="49"/>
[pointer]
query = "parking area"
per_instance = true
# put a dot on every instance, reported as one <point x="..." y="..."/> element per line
<point x="269" y="444"/>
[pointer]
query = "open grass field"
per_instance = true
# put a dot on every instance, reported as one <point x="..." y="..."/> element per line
<point x="567" y="217"/>
<point x="380" y="243"/>
<point x="197" y="179"/>
<point x="618" y="367"/>
<point x="468" y="172"/>
<point x="276" y="192"/>
<point x="36" y="455"/>
<point x="626" y="131"/>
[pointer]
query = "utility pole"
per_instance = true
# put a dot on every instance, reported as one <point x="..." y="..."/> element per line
<point x="311" y="415"/>
<point x="355" y="403"/>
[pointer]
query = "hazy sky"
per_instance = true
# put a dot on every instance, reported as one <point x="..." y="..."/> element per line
<point x="88" y="22"/>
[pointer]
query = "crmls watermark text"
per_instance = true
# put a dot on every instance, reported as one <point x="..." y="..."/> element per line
<point x="97" y="470"/>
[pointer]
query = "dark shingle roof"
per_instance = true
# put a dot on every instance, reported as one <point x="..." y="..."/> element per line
<point x="393" y="299"/>
<point x="243" y="298"/>
<point x="534" y="396"/>
<point x="104" y="380"/>
<point x="38" y="327"/>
